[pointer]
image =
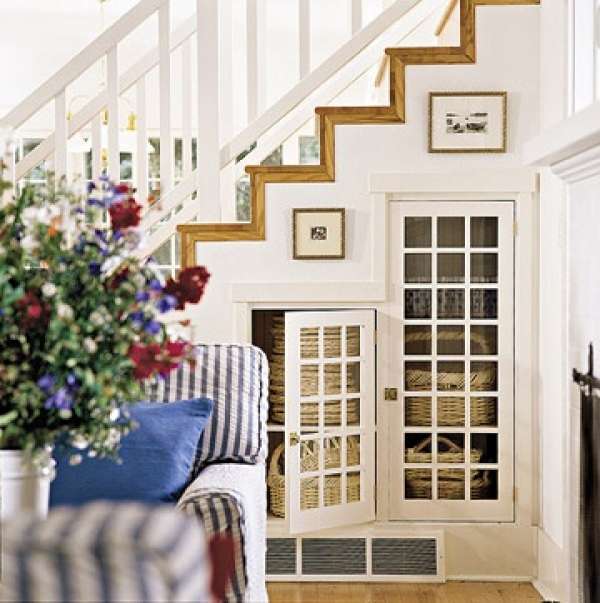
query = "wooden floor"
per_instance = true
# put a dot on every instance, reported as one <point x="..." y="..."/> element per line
<point x="359" y="592"/>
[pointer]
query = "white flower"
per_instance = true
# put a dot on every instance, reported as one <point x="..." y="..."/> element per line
<point x="29" y="243"/>
<point x="96" y="318"/>
<point x="79" y="442"/>
<point x="49" y="289"/>
<point x="6" y="141"/>
<point x="30" y="215"/>
<point x="114" y="437"/>
<point x="90" y="345"/>
<point x="65" y="414"/>
<point x="65" y="311"/>
<point x="115" y="413"/>
<point x="75" y="459"/>
<point x="111" y="264"/>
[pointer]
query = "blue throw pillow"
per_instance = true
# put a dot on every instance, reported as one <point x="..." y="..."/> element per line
<point x="157" y="458"/>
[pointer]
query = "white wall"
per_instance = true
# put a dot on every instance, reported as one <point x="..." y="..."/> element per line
<point x="504" y="63"/>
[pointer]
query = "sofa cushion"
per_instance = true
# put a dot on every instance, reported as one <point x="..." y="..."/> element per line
<point x="236" y="378"/>
<point x="157" y="458"/>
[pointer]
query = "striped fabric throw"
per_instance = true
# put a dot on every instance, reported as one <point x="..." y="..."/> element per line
<point x="106" y="552"/>
<point x="235" y="377"/>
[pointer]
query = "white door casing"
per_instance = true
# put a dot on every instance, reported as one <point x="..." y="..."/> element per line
<point x="329" y="463"/>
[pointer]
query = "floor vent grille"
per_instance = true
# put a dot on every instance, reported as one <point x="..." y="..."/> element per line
<point x="334" y="556"/>
<point x="281" y="556"/>
<point x="404" y="556"/>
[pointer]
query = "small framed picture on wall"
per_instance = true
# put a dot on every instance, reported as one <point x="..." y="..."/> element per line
<point x="467" y="122"/>
<point x="319" y="233"/>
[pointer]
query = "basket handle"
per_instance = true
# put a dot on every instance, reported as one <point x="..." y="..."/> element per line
<point x="274" y="464"/>
<point x="451" y="445"/>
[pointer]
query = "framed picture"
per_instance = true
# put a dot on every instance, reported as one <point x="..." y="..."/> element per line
<point x="319" y="234"/>
<point x="467" y="122"/>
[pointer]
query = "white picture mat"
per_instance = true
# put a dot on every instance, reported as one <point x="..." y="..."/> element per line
<point x="331" y="246"/>
<point x="465" y="105"/>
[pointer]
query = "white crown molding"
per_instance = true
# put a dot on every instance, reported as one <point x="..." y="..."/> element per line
<point x="579" y="167"/>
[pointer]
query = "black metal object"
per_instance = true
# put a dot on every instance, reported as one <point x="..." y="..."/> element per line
<point x="590" y="481"/>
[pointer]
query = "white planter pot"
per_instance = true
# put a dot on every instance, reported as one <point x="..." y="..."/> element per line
<point x="24" y="486"/>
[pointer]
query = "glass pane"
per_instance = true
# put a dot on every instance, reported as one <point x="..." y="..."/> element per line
<point x="450" y="340"/>
<point x="417" y="232"/>
<point x="162" y="255"/>
<point x="451" y="411"/>
<point x="451" y="268"/>
<point x="451" y="448"/>
<point x="484" y="303"/>
<point x="309" y="416"/>
<point x="451" y="376"/>
<point x="308" y="150"/>
<point x="417" y="268"/>
<point x="333" y="452"/>
<point x="353" y="411"/>
<point x="243" y="207"/>
<point x="417" y="483"/>
<point x="309" y="340"/>
<point x="353" y="377"/>
<point x="417" y="448"/>
<point x="333" y="342"/>
<point x="333" y="413"/>
<point x="484" y="232"/>
<point x="333" y="378"/>
<point x="309" y="379"/>
<point x="484" y="376"/>
<point x="484" y="412"/>
<point x="309" y="493"/>
<point x="484" y="340"/>
<point x="417" y="340"/>
<point x="353" y="486"/>
<point x="353" y="450"/>
<point x="353" y="341"/>
<point x="417" y="303"/>
<point x="484" y="448"/>
<point x="417" y="376"/>
<point x="451" y="303"/>
<point x="484" y="268"/>
<point x="451" y="484"/>
<point x="417" y="412"/>
<point x="333" y="490"/>
<point x="451" y="232"/>
<point x="484" y="485"/>
<point x="309" y="456"/>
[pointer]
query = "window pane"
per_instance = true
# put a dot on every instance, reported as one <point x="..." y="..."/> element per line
<point x="451" y="268"/>
<point x="484" y="268"/>
<point x="417" y="303"/>
<point x="484" y="232"/>
<point x="417" y="232"/>
<point x="484" y="304"/>
<point x="417" y="412"/>
<point x="451" y="303"/>
<point x="450" y="340"/>
<point x="417" y="268"/>
<point x="451" y="232"/>
<point x="417" y="340"/>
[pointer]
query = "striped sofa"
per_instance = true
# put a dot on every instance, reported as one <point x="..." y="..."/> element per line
<point x="75" y="549"/>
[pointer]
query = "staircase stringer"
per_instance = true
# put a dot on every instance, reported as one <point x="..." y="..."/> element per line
<point x="328" y="119"/>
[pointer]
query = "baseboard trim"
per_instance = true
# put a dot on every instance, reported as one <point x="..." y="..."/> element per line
<point x="544" y="591"/>
<point x="490" y="578"/>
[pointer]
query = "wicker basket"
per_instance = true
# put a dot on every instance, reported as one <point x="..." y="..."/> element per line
<point x="454" y="454"/>
<point x="309" y="348"/>
<point x="309" y="490"/>
<point x="450" y="411"/>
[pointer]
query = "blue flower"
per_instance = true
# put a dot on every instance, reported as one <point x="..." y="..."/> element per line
<point x="137" y="318"/>
<point x="155" y="285"/>
<point x="46" y="382"/>
<point x="152" y="327"/>
<point x="95" y="268"/>
<point x="61" y="400"/>
<point x="72" y="381"/>
<point x="91" y="186"/>
<point x="166" y="303"/>
<point x="142" y="296"/>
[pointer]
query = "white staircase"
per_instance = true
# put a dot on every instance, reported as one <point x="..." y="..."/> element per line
<point x="180" y="92"/>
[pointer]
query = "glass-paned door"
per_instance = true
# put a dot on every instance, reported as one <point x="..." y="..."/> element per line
<point x="330" y="418"/>
<point x="453" y="422"/>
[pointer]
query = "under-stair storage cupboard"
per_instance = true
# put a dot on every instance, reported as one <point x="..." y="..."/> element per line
<point x="448" y="441"/>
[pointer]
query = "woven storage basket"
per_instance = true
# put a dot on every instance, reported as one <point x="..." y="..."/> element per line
<point x="309" y="491"/>
<point x="451" y="486"/>
<point x="309" y="342"/>
<point x="450" y="411"/>
<point x="454" y="454"/>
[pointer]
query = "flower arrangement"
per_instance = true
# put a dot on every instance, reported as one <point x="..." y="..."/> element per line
<point x="80" y="315"/>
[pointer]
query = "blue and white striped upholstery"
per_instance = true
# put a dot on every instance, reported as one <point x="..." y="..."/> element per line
<point x="235" y="377"/>
<point x="106" y="552"/>
<point x="221" y="514"/>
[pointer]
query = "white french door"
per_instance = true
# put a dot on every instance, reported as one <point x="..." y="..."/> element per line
<point x="451" y="356"/>
<point x="330" y="418"/>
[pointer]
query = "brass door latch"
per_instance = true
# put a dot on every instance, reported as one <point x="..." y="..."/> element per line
<point x="391" y="394"/>
<point x="294" y="439"/>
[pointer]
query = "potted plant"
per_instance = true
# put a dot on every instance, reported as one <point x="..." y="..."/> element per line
<point x="80" y="327"/>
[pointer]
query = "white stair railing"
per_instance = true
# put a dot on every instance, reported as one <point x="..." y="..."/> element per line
<point x="267" y="126"/>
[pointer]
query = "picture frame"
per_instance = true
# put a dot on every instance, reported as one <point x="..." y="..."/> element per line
<point x="467" y="122"/>
<point x="319" y="233"/>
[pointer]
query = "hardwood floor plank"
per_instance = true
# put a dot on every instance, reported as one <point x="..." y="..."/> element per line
<point x="365" y="592"/>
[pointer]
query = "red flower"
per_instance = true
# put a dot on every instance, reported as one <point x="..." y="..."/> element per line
<point x="189" y="287"/>
<point x="125" y="214"/>
<point x="118" y="279"/>
<point x="35" y="312"/>
<point x="151" y="358"/>
<point x="121" y="189"/>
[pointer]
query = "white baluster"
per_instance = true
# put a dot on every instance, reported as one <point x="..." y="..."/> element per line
<point x="255" y="57"/>
<point x="60" y="135"/>
<point x="226" y="70"/>
<point x="355" y="10"/>
<point x="96" y="146"/>
<point x="208" y="110"/>
<point x="304" y="50"/>
<point x="141" y="175"/>
<point x="112" y="87"/>
<point x="164" y="68"/>
<point x="186" y="105"/>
